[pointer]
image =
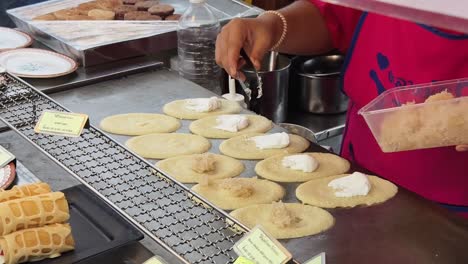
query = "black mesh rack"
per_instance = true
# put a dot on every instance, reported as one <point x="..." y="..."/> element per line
<point x="161" y="207"/>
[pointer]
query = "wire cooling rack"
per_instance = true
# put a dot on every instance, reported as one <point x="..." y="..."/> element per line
<point x="162" y="208"/>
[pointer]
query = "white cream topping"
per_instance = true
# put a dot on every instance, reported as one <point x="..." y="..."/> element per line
<point x="232" y="123"/>
<point x="2" y="257"/>
<point x="272" y="141"/>
<point x="356" y="184"/>
<point x="203" y="104"/>
<point x="300" y="162"/>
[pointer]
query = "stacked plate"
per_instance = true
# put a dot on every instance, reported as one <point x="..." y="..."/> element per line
<point x="7" y="175"/>
<point x="13" y="39"/>
<point x="30" y="63"/>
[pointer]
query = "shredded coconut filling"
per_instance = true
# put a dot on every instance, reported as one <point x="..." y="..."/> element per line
<point x="204" y="163"/>
<point x="237" y="188"/>
<point x="282" y="217"/>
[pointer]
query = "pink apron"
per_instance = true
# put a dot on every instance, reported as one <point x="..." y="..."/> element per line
<point x="386" y="53"/>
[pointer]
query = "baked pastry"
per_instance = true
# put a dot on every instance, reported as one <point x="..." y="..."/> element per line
<point x="22" y="191"/>
<point x="84" y="8"/>
<point x="79" y="17"/>
<point x="148" y="17"/>
<point x="100" y="14"/>
<point x="209" y="126"/>
<point x="244" y="147"/>
<point x="187" y="109"/>
<point x="131" y="2"/>
<point x="64" y="14"/>
<point x="166" y="145"/>
<point x="108" y="4"/>
<point x="33" y="211"/>
<point x="120" y="11"/>
<point x="285" y="220"/>
<point x="317" y="192"/>
<point x="192" y="168"/>
<point x="134" y="15"/>
<point x="46" y="17"/>
<point x="137" y="124"/>
<point x="174" y="17"/>
<point x="36" y="243"/>
<point x="161" y="10"/>
<point x="145" y="5"/>
<point x="234" y="193"/>
<point x="274" y="169"/>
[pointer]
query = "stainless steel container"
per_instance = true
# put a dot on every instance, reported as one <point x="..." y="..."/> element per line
<point x="97" y="42"/>
<point x="273" y="104"/>
<point x="317" y="84"/>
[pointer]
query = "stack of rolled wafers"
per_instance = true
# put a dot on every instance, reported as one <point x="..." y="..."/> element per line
<point x="33" y="224"/>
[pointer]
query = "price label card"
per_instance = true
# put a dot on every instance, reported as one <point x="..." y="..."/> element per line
<point x="154" y="260"/>
<point x="319" y="259"/>
<point x="61" y="123"/>
<point x="5" y="157"/>
<point x="242" y="260"/>
<point x="259" y="247"/>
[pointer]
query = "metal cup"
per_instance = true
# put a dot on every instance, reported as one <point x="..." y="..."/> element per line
<point x="273" y="104"/>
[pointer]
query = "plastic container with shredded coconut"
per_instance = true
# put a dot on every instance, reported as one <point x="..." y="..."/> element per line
<point x="420" y="116"/>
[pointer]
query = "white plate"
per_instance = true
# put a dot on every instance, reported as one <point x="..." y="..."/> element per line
<point x="7" y="175"/>
<point x="13" y="39"/>
<point x="36" y="63"/>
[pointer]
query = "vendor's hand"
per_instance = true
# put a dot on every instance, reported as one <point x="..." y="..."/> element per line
<point x="255" y="35"/>
<point x="462" y="148"/>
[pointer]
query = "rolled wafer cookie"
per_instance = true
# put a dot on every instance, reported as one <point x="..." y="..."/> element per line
<point x="33" y="211"/>
<point x="36" y="243"/>
<point x="22" y="191"/>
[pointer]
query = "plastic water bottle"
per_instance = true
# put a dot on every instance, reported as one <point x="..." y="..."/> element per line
<point x="197" y="32"/>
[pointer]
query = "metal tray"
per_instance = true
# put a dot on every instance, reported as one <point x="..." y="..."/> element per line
<point x="162" y="208"/>
<point x="408" y="227"/>
<point x="108" y="43"/>
<point x="96" y="227"/>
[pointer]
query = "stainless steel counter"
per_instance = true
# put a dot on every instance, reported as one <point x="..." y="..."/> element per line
<point x="405" y="229"/>
<point x="40" y="166"/>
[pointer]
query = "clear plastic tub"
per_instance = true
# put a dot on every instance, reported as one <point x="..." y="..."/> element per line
<point x="420" y="116"/>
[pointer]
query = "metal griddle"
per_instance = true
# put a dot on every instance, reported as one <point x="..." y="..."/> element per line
<point x="160" y="207"/>
<point x="405" y="229"/>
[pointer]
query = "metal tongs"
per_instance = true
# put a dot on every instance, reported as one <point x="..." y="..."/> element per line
<point x="259" y="78"/>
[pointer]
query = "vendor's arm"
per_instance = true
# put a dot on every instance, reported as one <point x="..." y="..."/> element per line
<point x="307" y="34"/>
<point x="313" y="27"/>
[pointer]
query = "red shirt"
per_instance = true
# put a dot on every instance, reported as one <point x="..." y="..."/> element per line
<point x="383" y="53"/>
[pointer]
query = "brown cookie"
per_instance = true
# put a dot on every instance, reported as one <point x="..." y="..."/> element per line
<point x="134" y="14"/>
<point x="131" y="2"/>
<point x="108" y="4"/>
<point x="120" y="11"/>
<point x="161" y="10"/>
<point x="140" y="15"/>
<point x="148" y="17"/>
<point x="86" y="7"/>
<point x="145" y="5"/>
<point x="174" y="17"/>
<point x="65" y="13"/>
<point x="79" y="17"/>
<point x="100" y="14"/>
<point x="46" y="17"/>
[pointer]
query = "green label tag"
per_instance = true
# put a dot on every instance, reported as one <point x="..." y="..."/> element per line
<point x="319" y="259"/>
<point x="154" y="260"/>
<point x="61" y="123"/>
<point x="242" y="260"/>
<point x="5" y="157"/>
<point x="258" y="247"/>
